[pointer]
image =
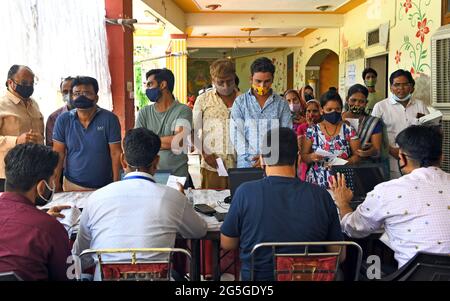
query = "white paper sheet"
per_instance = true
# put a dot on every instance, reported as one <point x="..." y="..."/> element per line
<point x="325" y="153"/>
<point x="71" y="219"/>
<point x="338" y="161"/>
<point x="172" y="181"/>
<point x="354" y="122"/>
<point x="221" y="170"/>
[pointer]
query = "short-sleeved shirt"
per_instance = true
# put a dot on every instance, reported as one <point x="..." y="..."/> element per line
<point x="396" y="118"/>
<point x="212" y="116"/>
<point x="250" y="123"/>
<point x="88" y="156"/>
<point x="164" y="124"/>
<point x="279" y="209"/>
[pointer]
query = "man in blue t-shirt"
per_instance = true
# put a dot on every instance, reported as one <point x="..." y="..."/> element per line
<point x="87" y="140"/>
<point x="278" y="208"/>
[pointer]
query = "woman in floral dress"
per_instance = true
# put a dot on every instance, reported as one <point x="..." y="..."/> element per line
<point x="331" y="135"/>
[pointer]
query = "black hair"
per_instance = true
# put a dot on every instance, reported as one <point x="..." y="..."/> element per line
<point x="163" y="75"/>
<point x="13" y="71"/>
<point x="401" y="72"/>
<point x="333" y="89"/>
<point x="330" y="95"/>
<point x="262" y="64"/>
<point x="357" y="88"/>
<point x="287" y="147"/>
<point x="367" y="71"/>
<point x="421" y="143"/>
<point x="86" y="81"/>
<point x="308" y="97"/>
<point x="141" y="147"/>
<point x="309" y="87"/>
<point x="28" y="164"/>
<point x="236" y="81"/>
<point x="69" y="78"/>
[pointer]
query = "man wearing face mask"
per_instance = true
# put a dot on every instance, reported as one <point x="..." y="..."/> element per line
<point x="87" y="140"/>
<point x="211" y="124"/>
<point x="370" y="76"/>
<point x="169" y="119"/>
<point x="20" y="118"/>
<point x="32" y="243"/>
<point x="398" y="112"/>
<point x="413" y="210"/>
<point x="65" y="89"/>
<point x="255" y="112"/>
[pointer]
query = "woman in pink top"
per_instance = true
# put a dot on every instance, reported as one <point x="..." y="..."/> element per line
<point x="312" y="117"/>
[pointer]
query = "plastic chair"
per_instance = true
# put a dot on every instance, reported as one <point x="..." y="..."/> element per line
<point x="10" y="276"/>
<point x="423" y="267"/>
<point x="305" y="265"/>
<point x="134" y="270"/>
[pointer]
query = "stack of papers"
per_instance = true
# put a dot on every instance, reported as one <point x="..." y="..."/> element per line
<point x="433" y="118"/>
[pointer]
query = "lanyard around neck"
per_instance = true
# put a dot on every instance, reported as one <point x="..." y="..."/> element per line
<point x="139" y="177"/>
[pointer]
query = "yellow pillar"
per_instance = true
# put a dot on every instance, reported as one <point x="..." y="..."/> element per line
<point x="178" y="65"/>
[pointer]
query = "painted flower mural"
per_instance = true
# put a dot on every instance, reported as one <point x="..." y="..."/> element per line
<point x="416" y="46"/>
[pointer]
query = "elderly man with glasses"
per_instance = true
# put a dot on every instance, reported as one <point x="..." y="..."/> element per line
<point x="398" y="112"/>
<point x="20" y="118"/>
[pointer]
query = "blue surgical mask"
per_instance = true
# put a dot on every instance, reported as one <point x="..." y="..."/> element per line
<point x="333" y="117"/>
<point x="397" y="99"/>
<point x="82" y="102"/>
<point x="154" y="94"/>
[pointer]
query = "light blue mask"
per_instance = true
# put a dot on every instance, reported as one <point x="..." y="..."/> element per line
<point x="398" y="99"/>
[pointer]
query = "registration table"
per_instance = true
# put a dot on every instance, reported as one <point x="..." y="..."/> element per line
<point x="213" y="198"/>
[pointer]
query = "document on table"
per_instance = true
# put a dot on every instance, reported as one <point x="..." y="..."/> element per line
<point x="221" y="170"/>
<point x="172" y="181"/>
<point x="71" y="219"/>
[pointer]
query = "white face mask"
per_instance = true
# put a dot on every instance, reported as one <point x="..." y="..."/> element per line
<point x="397" y="99"/>
<point x="41" y="200"/>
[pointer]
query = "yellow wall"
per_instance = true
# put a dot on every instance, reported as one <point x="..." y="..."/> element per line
<point x="352" y="36"/>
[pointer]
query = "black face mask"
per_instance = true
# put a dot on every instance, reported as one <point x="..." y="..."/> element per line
<point x="82" y="102"/>
<point x="333" y="117"/>
<point x="24" y="91"/>
<point x="400" y="167"/>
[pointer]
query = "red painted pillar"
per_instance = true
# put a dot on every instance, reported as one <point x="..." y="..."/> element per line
<point x="120" y="46"/>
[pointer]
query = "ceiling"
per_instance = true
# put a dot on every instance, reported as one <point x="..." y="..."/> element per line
<point x="195" y="6"/>
<point x="232" y="53"/>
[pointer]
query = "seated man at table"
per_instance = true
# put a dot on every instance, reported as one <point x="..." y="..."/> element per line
<point x="278" y="208"/>
<point x="136" y="212"/>
<point x="414" y="209"/>
<point x="33" y="244"/>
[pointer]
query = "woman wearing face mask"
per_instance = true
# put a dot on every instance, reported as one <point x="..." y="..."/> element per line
<point x="331" y="135"/>
<point x="297" y="108"/>
<point x="313" y="117"/>
<point x="369" y="128"/>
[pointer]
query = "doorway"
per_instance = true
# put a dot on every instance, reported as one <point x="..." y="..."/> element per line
<point x="380" y="64"/>
<point x="322" y="71"/>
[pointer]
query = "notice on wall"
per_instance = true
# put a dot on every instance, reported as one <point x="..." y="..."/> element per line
<point x="351" y="75"/>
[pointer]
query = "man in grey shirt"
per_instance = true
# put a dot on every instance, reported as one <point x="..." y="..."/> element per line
<point x="169" y="119"/>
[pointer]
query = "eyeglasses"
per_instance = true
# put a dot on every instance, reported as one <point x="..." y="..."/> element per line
<point x="403" y="85"/>
<point x="84" y="93"/>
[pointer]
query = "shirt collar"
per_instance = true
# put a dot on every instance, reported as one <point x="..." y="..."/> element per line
<point x="74" y="114"/>
<point x="15" y="197"/>
<point x="139" y="174"/>
<point x="16" y="100"/>
<point x="392" y="101"/>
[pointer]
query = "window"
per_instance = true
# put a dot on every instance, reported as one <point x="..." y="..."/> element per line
<point x="445" y="12"/>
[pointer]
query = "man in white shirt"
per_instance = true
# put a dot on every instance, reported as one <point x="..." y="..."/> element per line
<point x="398" y="112"/>
<point x="414" y="209"/>
<point x="136" y="212"/>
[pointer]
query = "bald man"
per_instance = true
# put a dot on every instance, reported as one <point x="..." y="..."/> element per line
<point x="20" y="118"/>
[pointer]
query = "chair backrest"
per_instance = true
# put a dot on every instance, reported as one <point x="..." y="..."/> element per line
<point x="423" y="267"/>
<point x="10" y="276"/>
<point x="305" y="265"/>
<point x="136" y="270"/>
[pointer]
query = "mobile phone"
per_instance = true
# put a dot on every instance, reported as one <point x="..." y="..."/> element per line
<point x="205" y="209"/>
